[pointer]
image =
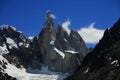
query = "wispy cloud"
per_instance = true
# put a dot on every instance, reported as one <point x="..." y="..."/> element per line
<point x="65" y="26"/>
<point x="90" y="34"/>
<point x="53" y="16"/>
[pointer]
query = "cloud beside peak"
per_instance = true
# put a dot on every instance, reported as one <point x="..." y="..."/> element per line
<point x="65" y="26"/>
<point x="90" y="34"/>
<point x="53" y="16"/>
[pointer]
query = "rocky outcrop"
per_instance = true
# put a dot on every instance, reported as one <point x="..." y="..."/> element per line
<point x="103" y="63"/>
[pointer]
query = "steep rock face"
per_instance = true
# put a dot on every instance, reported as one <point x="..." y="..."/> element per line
<point x="103" y="63"/>
<point x="77" y="42"/>
<point x="46" y="35"/>
<point x="58" y="49"/>
<point x="62" y="39"/>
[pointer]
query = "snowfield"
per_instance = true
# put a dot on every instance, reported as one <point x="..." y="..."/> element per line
<point x="31" y="74"/>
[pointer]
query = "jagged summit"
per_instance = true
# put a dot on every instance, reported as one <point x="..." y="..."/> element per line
<point x="48" y="16"/>
<point x="57" y="47"/>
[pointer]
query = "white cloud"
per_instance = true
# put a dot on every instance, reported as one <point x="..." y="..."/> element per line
<point x="90" y="34"/>
<point x="65" y="26"/>
<point x="53" y="16"/>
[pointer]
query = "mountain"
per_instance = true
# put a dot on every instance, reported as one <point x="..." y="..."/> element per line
<point x="14" y="46"/>
<point x="103" y="63"/>
<point x="55" y="48"/>
<point x="59" y="50"/>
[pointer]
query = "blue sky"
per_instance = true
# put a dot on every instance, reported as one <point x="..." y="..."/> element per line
<point x="29" y="15"/>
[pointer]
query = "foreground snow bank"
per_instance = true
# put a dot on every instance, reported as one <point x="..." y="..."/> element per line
<point x="31" y="74"/>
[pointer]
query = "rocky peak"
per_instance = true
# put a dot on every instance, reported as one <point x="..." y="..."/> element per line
<point x="9" y="31"/>
<point x="61" y="34"/>
<point x="74" y="34"/>
<point x="48" y="32"/>
<point x="77" y="42"/>
<point x="62" y="39"/>
<point x="53" y="45"/>
<point x="49" y="27"/>
<point x="48" y="16"/>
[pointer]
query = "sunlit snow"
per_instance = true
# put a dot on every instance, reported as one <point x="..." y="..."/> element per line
<point x="32" y="74"/>
<point x="65" y="39"/>
<point x="52" y="42"/>
<point x="70" y="51"/>
<point x="11" y="43"/>
<point x="59" y="52"/>
<point x="86" y="71"/>
<point x="115" y="61"/>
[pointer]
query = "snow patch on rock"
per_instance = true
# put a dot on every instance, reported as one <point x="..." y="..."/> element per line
<point x="59" y="52"/>
<point x="3" y="49"/>
<point x="27" y="45"/>
<point x="11" y="43"/>
<point x="114" y="62"/>
<point x="52" y="42"/>
<point x="65" y="40"/>
<point x="20" y="43"/>
<point x="31" y="38"/>
<point x="70" y="51"/>
<point x="86" y="70"/>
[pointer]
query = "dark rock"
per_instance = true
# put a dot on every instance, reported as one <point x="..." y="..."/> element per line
<point x="103" y="63"/>
<point x="62" y="41"/>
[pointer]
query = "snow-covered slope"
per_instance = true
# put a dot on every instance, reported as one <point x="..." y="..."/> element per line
<point x="31" y="74"/>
